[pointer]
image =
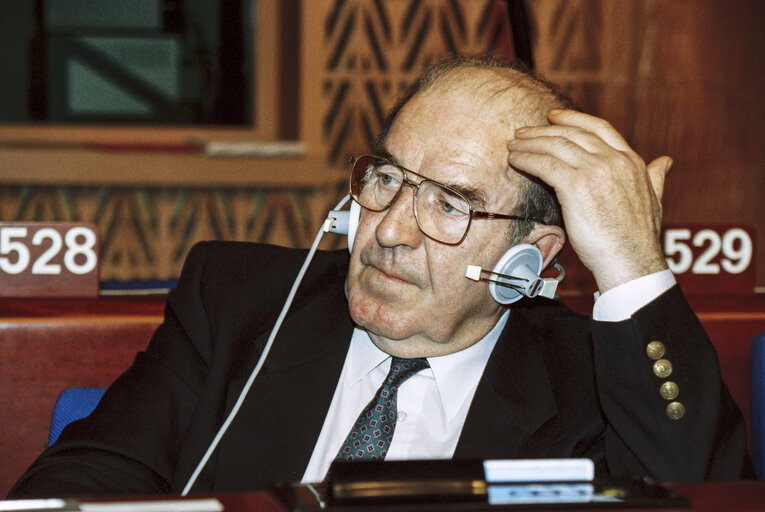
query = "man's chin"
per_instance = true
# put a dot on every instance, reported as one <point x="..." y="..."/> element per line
<point x="380" y="320"/>
<point x="410" y="346"/>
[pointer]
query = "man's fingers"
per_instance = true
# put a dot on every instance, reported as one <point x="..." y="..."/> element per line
<point x="657" y="173"/>
<point x="557" y="133"/>
<point x="543" y="166"/>
<point x="612" y="215"/>
<point x="596" y="125"/>
<point x="592" y="134"/>
<point x="562" y="148"/>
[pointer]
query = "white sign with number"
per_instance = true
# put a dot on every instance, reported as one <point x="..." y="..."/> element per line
<point x="48" y="259"/>
<point x="722" y="256"/>
<point x="730" y="252"/>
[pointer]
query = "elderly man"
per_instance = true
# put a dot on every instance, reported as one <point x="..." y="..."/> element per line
<point x="636" y="388"/>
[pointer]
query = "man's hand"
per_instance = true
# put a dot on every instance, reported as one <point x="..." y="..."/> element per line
<point x="611" y="200"/>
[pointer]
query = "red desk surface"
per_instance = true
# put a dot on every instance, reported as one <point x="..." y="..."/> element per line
<point x="722" y="497"/>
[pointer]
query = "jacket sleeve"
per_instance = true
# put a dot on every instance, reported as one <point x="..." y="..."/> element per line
<point x="130" y="444"/>
<point x="669" y="413"/>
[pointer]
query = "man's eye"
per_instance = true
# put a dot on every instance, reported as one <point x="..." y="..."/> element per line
<point x="387" y="179"/>
<point x="452" y="205"/>
<point x="451" y="209"/>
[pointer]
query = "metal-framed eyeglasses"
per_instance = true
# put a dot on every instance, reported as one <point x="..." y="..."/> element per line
<point x="441" y="212"/>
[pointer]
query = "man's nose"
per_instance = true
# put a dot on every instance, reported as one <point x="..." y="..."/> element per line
<point x="398" y="225"/>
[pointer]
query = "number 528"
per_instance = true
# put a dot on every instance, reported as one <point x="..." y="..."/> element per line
<point x="78" y="244"/>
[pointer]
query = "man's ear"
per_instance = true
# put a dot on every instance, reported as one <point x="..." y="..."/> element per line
<point x="548" y="239"/>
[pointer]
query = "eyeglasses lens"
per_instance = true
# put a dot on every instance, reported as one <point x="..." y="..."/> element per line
<point x="374" y="183"/>
<point x="442" y="214"/>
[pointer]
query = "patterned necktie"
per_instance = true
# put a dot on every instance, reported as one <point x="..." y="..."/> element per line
<point x="371" y="435"/>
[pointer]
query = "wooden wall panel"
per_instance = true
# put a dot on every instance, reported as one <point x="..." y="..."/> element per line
<point x="677" y="77"/>
<point x="151" y="207"/>
<point x="147" y="231"/>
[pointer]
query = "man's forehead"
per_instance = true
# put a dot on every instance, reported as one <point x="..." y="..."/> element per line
<point x="456" y="131"/>
<point x="500" y="96"/>
<point x="456" y="177"/>
<point x="485" y="184"/>
<point x="437" y="131"/>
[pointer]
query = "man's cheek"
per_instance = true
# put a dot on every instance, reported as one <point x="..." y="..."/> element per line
<point x="366" y="226"/>
<point x="359" y="310"/>
<point x="364" y="309"/>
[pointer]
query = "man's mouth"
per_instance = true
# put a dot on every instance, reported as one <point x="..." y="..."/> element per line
<point x="394" y="276"/>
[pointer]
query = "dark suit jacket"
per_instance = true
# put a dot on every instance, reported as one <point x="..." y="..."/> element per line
<point x="556" y="385"/>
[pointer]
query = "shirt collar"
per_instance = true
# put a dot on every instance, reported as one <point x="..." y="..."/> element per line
<point x="456" y="374"/>
<point x="363" y="356"/>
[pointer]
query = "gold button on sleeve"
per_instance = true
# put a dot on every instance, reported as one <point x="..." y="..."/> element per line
<point x="669" y="390"/>
<point x="675" y="410"/>
<point x="655" y="350"/>
<point x="662" y="368"/>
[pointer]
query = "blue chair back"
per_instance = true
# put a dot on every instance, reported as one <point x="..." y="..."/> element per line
<point x="758" y="404"/>
<point x="72" y="404"/>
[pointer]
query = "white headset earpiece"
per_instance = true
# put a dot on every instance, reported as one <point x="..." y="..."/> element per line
<point x="516" y="275"/>
<point x="524" y="263"/>
<point x="344" y="222"/>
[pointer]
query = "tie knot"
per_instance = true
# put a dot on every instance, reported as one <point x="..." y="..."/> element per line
<point x="402" y="369"/>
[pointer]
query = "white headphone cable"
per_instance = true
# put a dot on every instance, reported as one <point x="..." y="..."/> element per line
<point x="235" y="410"/>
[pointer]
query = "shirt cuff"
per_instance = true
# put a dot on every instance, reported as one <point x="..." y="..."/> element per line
<point x="623" y="301"/>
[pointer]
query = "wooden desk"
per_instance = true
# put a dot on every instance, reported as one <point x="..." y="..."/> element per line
<point x="49" y="345"/>
<point x="723" y="496"/>
<point x="720" y="497"/>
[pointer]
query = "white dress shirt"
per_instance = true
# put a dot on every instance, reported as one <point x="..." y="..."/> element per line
<point x="433" y="404"/>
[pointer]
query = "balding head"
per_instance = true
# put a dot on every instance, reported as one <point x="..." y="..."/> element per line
<point x="408" y="289"/>
<point x="497" y="82"/>
<point x="508" y="98"/>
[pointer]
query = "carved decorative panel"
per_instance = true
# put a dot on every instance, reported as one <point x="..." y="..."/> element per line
<point x="365" y="53"/>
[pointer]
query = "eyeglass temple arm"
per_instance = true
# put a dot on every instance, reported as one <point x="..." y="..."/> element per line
<point x="489" y="215"/>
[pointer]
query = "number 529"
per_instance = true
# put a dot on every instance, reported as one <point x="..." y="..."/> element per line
<point x="700" y="252"/>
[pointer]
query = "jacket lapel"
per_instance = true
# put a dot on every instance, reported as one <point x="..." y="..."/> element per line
<point x="513" y="398"/>
<point x="276" y="429"/>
